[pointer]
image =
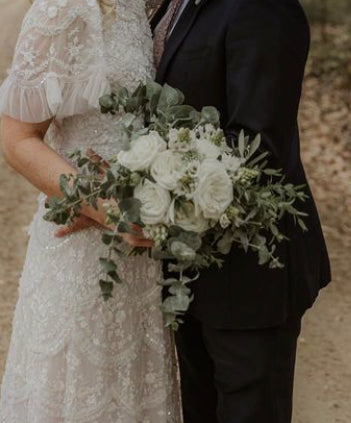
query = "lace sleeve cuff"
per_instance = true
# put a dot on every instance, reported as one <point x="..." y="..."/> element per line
<point x="51" y="97"/>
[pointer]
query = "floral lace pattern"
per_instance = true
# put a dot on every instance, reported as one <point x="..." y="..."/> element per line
<point x="74" y="358"/>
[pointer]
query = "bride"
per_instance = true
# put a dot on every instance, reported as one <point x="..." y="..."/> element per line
<point x="74" y="358"/>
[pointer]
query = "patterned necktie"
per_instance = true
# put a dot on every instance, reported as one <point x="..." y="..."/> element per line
<point x="161" y="31"/>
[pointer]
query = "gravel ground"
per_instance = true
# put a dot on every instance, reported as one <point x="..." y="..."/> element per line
<point x="323" y="382"/>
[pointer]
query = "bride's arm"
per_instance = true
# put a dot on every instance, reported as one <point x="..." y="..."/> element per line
<point x="58" y="71"/>
<point x="25" y="150"/>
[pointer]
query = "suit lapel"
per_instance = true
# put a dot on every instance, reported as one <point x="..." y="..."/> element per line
<point x="178" y="35"/>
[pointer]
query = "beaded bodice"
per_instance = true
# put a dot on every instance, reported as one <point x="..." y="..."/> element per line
<point x="126" y="54"/>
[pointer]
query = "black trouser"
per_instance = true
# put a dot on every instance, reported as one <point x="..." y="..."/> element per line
<point x="237" y="376"/>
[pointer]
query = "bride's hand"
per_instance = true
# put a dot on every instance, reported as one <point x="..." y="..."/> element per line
<point x="83" y="222"/>
<point x="80" y="223"/>
<point x="97" y="218"/>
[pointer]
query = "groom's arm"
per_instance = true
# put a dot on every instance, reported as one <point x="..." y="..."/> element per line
<point x="267" y="44"/>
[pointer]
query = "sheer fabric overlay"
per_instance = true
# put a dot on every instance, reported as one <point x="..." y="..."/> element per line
<point x="74" y="358"/>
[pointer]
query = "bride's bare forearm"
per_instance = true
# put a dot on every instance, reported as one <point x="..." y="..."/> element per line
<point x="42" y="167"/>
<point x="25" y="151"/>
<point x="39" y="164"/>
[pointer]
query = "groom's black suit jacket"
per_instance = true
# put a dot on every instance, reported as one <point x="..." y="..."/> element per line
<point x="247" y="58"/>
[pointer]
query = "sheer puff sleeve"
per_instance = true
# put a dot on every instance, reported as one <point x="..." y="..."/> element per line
<point x="58" y="68"/>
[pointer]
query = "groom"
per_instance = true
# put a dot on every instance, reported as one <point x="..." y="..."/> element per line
<point x="237" y="347"/>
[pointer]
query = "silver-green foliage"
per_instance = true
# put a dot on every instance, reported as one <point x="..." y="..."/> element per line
<point x="262" y="198"/>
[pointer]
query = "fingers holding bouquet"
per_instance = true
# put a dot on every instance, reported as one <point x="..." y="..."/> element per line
<point x="97" y="217"/>
<point x="82" y="222"/>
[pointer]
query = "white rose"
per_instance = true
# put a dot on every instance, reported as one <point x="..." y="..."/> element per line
<point x="214" y="191"/>
<point x="167" y="169"/>
<point x="207" y="149"/>
<point x="142" y="152"/>
<point x="155" y="202"/>
<point x="184" y="216"/>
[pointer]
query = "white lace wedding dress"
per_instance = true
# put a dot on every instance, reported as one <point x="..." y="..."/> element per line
<point x="74" y="358"/>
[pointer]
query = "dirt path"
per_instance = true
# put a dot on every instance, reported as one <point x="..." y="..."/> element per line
<point x="323" y="383"/>
<point x="17" y="197"/>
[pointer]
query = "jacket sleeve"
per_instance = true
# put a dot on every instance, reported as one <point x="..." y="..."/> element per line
<point x="267" y="44"/>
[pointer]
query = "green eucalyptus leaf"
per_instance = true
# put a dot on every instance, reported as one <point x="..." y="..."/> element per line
<point x="140" y="95"/>
<point x="176" y="304"/>
<point x="182" y="251"/>
<point x="244" y="240"/>
<point x="130" y="208"/>
<point x="123" y="97"/>
<point x="127" y="120"/>
<point x="191" y="239"/>
<point x="211" y="115"/>
<point x="264" y="255"/>
<point x="107" y="265"/>
<point x="82" y="162"/>
<point x="64" y="183"/>
<point x="115" y="277"/>
<point x="182" y="114"/>
<point x="171" y="320"/>
<point x="174" y="231"/>
<point x="178" y="267"/>
<point x="153" y="89"/>
<point x="179" y="289"/>
<point x="168" y="282"/>
<point x="169" y="97"/>
<point x="181" y="96"/>
<point x="107" y="237"/>
<point x="107" y="103"/>
<point x="224" y="245"/>
<point x="84" y="187"/>
<point x="106" y="288"/>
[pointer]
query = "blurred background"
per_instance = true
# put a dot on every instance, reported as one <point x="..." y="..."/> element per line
<point x="323" y="382"/>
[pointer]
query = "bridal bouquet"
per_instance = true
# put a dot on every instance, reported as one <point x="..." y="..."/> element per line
<point x="193" y="193"/>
